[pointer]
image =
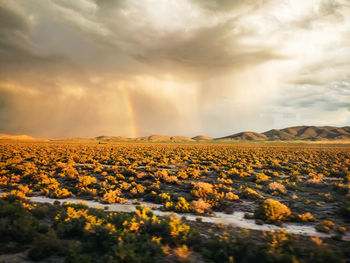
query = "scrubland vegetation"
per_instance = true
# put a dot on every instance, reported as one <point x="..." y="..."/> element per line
<point x="306" y="185"/>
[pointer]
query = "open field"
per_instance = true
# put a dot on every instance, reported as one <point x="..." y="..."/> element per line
<point x="207" y="131"/>
<point x="250" y="202"/>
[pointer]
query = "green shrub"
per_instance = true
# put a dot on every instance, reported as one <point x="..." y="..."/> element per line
<point x="324" y="254"/>
<point x="344" y="210"/>
<point x="45" y="246"/>
<point x="16" y="223"/>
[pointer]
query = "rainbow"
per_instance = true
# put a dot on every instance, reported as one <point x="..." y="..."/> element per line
<point x="131" y="113"/>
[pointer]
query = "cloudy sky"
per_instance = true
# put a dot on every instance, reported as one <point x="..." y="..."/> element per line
<point x="173" y="67"/>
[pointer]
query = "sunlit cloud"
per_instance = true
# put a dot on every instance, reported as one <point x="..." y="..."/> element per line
<point x="186" y="67"/>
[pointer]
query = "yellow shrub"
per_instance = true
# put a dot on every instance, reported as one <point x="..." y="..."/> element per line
<point x="113" y="196"/>
<point x="307" y="217"/>
<point x="272" y="210"/>
<point x="201" y="206"/>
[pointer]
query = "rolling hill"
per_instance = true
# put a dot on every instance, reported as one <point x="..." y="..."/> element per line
<point x="309" y="133"/>
<point x="202" y="138"/>
<point x="297" y="133"/>
<point x="245" y="136"/>
<point x="274" y="135"/>
<point x="180" y="139"/>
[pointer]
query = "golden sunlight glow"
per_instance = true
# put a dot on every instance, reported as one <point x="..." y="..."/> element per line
<point x="134" y="68"/>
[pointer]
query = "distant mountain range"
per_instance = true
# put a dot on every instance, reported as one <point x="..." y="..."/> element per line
<point x="298" y="133"/>
<point x="303" y="133"/>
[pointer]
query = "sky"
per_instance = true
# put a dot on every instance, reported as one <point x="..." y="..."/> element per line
<point x="172" y="67"/>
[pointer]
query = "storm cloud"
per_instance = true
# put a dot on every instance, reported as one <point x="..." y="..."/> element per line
<point x="185" y="67"/>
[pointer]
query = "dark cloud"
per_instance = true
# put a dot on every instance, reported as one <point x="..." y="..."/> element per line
<point x="12" y="20"/>
<point x="212" y="66"/>
<point x="208" y="50"/>
<point x="111" y="4"/>
<point x="228" y="5"/>
<point x="14" y="31"/>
